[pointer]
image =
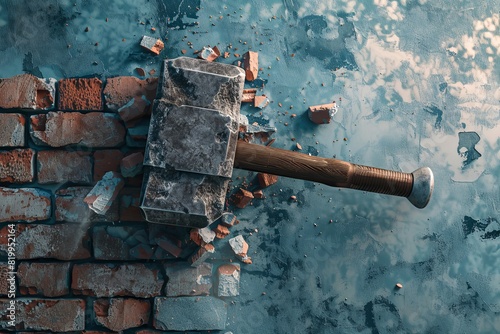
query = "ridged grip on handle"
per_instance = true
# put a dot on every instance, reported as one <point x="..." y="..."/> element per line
<point x="331" y="172"/>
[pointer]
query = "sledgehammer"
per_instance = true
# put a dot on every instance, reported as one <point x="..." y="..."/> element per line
<point x="193" y="146"/>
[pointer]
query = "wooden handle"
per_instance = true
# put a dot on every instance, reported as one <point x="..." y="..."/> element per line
<point x="331" y="172"/>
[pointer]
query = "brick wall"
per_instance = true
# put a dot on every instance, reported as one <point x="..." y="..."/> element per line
<point x="78" y="270"/>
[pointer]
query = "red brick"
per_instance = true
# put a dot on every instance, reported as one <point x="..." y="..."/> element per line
<point x="46" y="279"/>
<point x="64" y="166"/>
<point x="260" y="101"/>
<point x="80" y="94"/>
<point x="103" y="280"/>
<point x="266" y="180"/>
<point x="130" y="201"/>
<point x="320" y="114"/>
<point x="171" y="246"/>
<point x="242" y="198"/>
<point x="221" y="231"/>
<point x="70" y="207"/>
<point x="24" y="204"/>
<point x="58" y="315"/>
<point x="4" y="284"/>
<point x="131" y="165"/>
<point x="95" y="129"/>
<point x="258" y="194"/>
<point x="130" y="96"/>
<point x="119" y="314"/>
<point x="251" y="65"/>
<point x="26" y="91"/>
<point x="12" y="130"/>
<point x="199" y="257"/>
<point x="17" y="166"/>
<point x="152" y="44"/>
<point x="60" y="241"/>
<point x="106" y="161"/>
<point x="228" y="280"/>
<point x="249" y="95"/>
<point x="185" y="280"/>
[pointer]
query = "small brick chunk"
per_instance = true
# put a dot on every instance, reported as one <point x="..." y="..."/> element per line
<point x="57" y="315"/>
<point x="104" y="193"/>
<point x="185" y="280"/>
<point x="95" y="129"/>
<point x="242" y="198"/>
<point x="17" y="166"/>
<point x="322" y="114"/>
<point x="240" y="249"/>
<point x="209" y="54"/>
<point x="131" y="97"/>
<point x="221" y="231"/>
<point x="106" y="161"/>
<point x="46" y="279"/>
<point x="249" y="95"/>
<point x="12" y="130"/>
<point x="130" y="201"/>
<point x="106" y="280"/>
<point x="59" y="241"/>
<point x="228" y="219"/>
<point x="77" y="94"/>
<point x="258" y="194"/>
<point x="119" y="314"/>
<point x="228" y="280"/>
<point x="251" y="65"/>
<point x="24" y="204"/>
<point x="70" y="207"/>
<point x="26" y="91"/>
<point x="266" y="180"/>
<point x="189" y="313"/>
<point x="171" y="246"/>
<point x="199" y="257"/>
<point x="260" y="101"/>
<point x="132" y="164"/>
<point x="64" y="166"/>
<point x="152" y="44"/>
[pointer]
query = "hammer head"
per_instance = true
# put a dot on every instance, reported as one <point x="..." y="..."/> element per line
<point x="192" y="142"/>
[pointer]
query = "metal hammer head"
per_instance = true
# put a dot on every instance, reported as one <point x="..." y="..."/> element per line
<point x="192" y="142"/>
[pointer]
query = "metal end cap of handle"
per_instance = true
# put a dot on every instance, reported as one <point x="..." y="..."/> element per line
<point x="423" y="185"/>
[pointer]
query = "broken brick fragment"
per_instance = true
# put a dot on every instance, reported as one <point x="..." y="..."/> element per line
<point x="130" y="210"/>
<point x="171" y="246"/>
<point x="322" y="114"/>
<point x="185" y="280"/>
<point x="114" y="243"/>
<point x="266" y="180"/>
<point x="17" y="166"/>
<point x="260" y="101"/>
<point x="80" y="94"/>
<point x="228" y="280"/>
<point x="251" y="65"/>
<point x="119" y="314"/>
<point x="104" y="192"/>
<point x="228" y="219"/>
<point x="152" y="44"/>
<point x="142" y="252"/>
<point x="209" y="54"/>
<point x="130" y="96"/>
<point x="12" y="130"/>
<point x="221" y="231"/>
<point x="249" y="95"/>
<point x="26" y="91"/>
<point x="242" y="198"/>
<point x="240" y="249"/>
<point x="258" y="194"/>
<point x="132" y="164"/>
<point x="199" y="257"/>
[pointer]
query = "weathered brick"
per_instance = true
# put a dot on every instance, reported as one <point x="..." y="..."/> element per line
<point x="240" y="249"/>
<point x="130" y="201"/>
<point x="64" y="166"/>
<point x="80" y="94"/>
<point x="322" y="114"/>
<point x="60" y="241"/>
<point x="132" y="164"/>
<point x="46" y="279"/>
<point x="189" y="313"/>
<point x="185" y="280"/>
<point x="94" y="129"/>
<point x="115" y="242"/>
<point x="106" y="161"/>
<point x="266" y="180"/>
<point x="102" y="196"/>
<point x="70" y="207"/>
<point x="105" y="280"/>
<point x="17" y="166"/>
<point x="251" y="65"/>
<point x="152" y="44"/>
<point x="130" y="96"/>
<point x="221" y="231"/>
<point x="170" y="244"/>
<point x="119" y="314"/>
<point x="228" y="277"/>
<point x="58" y="315"/>
<point x="24" y="204"/>
<point x="12" y="130"/>
<point x="4" y="283"/>
<point x="26" y="91"/>
<point x="201" y="254"/>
